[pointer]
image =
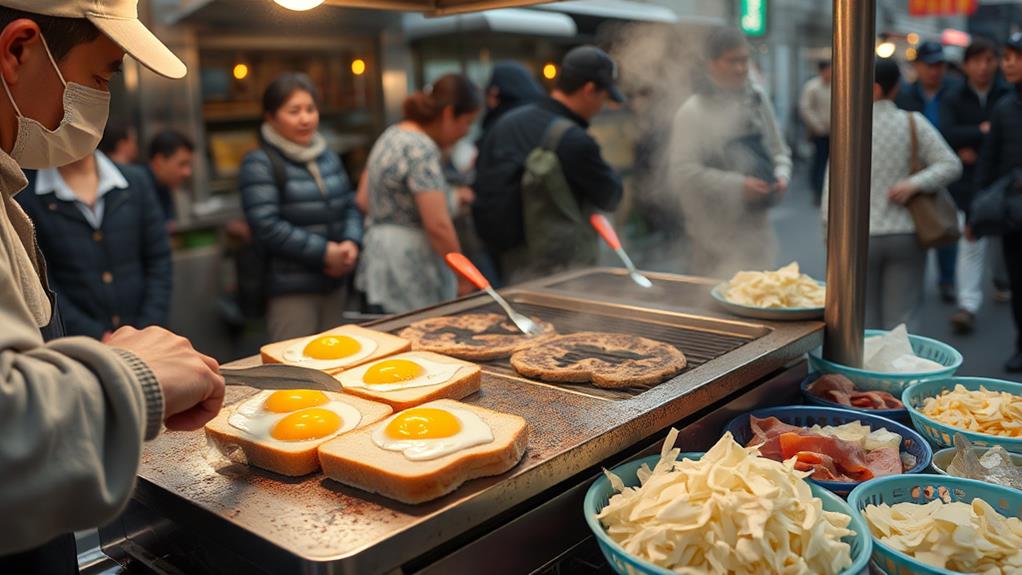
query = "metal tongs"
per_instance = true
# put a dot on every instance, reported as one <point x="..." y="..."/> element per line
<point x="463" y="266"/>
<point x="602" y="225"/>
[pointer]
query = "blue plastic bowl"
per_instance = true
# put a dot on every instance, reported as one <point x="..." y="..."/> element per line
<point x="807" y="416"/>
<point x="922" y="489"/>
<point x="895" y="383"/>
<point x="941" y="435"/>
<point x="899" y="415"/>
<point x="627" y="564"/>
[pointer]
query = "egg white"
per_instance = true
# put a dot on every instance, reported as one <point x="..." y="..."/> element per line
<point x="474" y="431"/>
<point x="436" y="373"/>
<point x="295" y="354"/>
<point x="252" y="418"/>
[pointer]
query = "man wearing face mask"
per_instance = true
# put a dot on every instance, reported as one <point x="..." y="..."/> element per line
<point x="73" y="411"/>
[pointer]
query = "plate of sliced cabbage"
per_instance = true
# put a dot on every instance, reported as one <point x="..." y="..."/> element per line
<point x="786" y="294"/>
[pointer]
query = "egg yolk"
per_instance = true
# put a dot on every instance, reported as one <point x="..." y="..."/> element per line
<point x="393" y="371"/>
<point x="332" y="347"/>
<point x="288" y="400"/>
<point x="312" y="423"/>
<point x="423" y="423"/>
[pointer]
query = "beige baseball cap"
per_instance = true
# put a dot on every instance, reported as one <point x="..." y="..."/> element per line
<point x="118" y="19"/>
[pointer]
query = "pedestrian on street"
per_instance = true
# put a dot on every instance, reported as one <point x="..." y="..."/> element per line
<point x="74" y="412"/>
<point x="301" y="209"/>
<point x="540" y="175"/>
<point x="965" y="123"/>
<point x="729" y="163"/>
<point x="814" y="107"/>
<point x="896" y="267"/>
<point x="409" y="204"/>
<point x="511" y="86"/>
<point x="169" y="167"/>
<point x="100" y="227"/>
<point x="932" y="85"/>
<point x="1002" y="153"/>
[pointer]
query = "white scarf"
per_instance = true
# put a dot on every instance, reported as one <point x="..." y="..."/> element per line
<point x="306" y="155"/>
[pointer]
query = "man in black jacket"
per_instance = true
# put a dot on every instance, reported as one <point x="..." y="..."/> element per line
<point x="1002" y="153"/>
<point x="585" y="82"/>
<point x="925" y="95"/>
<point x="965" y="123"/>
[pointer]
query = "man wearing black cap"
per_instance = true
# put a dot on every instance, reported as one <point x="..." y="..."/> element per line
<point x="1002" y="153"/>
<point x="925" y="95"/>
<point x="540" y="174"/>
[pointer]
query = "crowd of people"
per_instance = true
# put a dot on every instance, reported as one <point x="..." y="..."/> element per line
<point x="84" y="231"/>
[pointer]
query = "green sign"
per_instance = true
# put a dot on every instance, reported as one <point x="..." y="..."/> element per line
<point x="753" y="17"/>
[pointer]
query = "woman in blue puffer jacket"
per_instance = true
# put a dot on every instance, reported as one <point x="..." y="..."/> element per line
<point x="301" y="208"/>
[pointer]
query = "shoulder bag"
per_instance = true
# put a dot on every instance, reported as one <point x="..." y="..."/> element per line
<point x="935" y="214"/>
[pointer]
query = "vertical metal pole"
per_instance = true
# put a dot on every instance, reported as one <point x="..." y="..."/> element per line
<point x="850" y="159"/>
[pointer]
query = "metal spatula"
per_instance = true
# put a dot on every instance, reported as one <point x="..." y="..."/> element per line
<point x="602" y="225"/>
<point x="463" y="266"/>
<point x="278" y="376"/>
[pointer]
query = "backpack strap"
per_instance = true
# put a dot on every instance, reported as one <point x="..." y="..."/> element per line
<point x="554" y="132"/>
<point x="277" y="166"/>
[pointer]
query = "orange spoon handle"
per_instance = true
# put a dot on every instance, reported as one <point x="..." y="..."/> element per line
<point x="602" y="225"/>
<point x="463" y="266"/>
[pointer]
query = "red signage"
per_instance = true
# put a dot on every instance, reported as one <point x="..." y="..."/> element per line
<point x="942" y="7"/>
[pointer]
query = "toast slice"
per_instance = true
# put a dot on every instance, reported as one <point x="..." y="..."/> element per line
<point x="462" y="382"/>
<point x="354" y="459"/>
<point x="292" y="458"/>
<point x="386" y="344"/>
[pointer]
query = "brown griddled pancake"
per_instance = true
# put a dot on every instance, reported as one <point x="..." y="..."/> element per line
<point x="473" y="336"/>
<point x="610" y="360"/>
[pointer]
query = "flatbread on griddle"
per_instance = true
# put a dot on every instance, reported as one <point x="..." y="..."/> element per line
<point x="610" y="360"/>
<point x="472" y="336"/>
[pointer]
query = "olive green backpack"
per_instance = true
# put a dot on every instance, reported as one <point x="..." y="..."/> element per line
<point x="557" y="231"/>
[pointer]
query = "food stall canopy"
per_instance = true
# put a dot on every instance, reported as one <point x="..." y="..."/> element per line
<point x="435" y="7"/>
<point x="617" y="9"/>
<point x="508" y="21"/>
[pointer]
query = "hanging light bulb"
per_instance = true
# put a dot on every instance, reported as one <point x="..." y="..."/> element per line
<point x="358" y="66"/>
<point x="240" y="72"/>
<point x="299" y="5"/>
<point x="550" y="71"/>
<point x="886" y="49"/>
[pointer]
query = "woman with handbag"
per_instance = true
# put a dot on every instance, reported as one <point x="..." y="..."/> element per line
<point x="910" y="211"/>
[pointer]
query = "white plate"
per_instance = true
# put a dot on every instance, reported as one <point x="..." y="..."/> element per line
<point x="773" y="314"/>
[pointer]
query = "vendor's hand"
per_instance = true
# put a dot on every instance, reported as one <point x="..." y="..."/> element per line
<point x="902" y="192"/>
<point x="968" y="156"/>
<point x="193" y="390"/>
<point x="984" y="127"/>
<point x="756" y="189"/>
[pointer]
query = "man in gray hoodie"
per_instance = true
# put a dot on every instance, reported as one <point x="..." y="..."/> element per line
<point x="73" y="411"/>
<point x="729" y="163"/>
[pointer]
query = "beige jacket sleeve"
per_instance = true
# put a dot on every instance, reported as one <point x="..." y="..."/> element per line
<point x="73" y="415"/>
<point x="689" y="171"/>
<point x="774" y="139"/>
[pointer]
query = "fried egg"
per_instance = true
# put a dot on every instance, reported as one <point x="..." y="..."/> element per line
<point x="328" y="352"/>
<point x="424" y="433"/>
<point x="401" y="372"/>
<point x="294" y="416"/>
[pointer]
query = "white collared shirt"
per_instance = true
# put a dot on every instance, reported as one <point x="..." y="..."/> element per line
<point x="110" y="178"/>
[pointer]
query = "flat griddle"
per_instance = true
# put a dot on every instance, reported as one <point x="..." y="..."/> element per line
<point x="314" y="525"/>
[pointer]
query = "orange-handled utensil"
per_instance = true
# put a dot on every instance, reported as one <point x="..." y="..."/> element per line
<point x="602" y="225"/>
<point x="466" y="268"/>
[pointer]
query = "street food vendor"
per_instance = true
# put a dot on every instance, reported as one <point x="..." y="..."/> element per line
<point x="73" y="411"/>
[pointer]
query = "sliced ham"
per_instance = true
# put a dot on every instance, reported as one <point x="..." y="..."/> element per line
<point x="766" y="433"/>
<point x="840" y="389"/>
<point x="849" y="459"/>
<point x="884" y="461"/>
<point x="822" y="466"/>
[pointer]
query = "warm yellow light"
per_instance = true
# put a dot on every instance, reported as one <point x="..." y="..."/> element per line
<point x="913" y="38"/>
<point x="886" y="49"/>
<point x="358" y="66"/>
<point x="299" y="5"/>
<point x="550" y="71"/>
<point x="240" y="72"/>
<point x="910" y="54"/>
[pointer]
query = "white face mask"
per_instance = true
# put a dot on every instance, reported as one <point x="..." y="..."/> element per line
<point x="85" y="114"/>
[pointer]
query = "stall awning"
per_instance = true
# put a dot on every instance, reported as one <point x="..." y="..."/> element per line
<point x="508" y="21"/>
<point x="616" y="9"/>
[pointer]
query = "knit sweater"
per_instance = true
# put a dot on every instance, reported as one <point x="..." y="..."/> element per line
<point x="892" y="161"/>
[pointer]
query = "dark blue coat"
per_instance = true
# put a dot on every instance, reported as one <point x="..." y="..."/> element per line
<point x="115" y="276"/>
<point x="293" y="224"/>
